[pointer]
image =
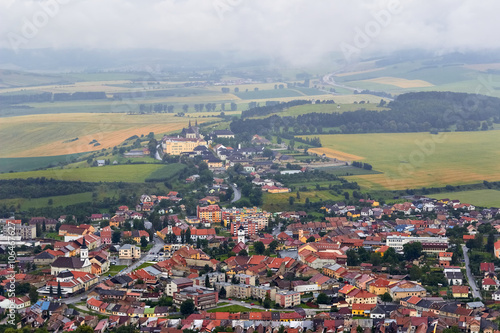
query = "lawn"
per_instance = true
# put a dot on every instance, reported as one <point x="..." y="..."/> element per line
<point x="144" y="265"/>
<point x="235" y="308"/>
<point x="133" y="173"/>
<point x="115" y="269"/>
<point x="415" y="160"/>
<point x="54" y="235"/>
<point x="484" y="198"/>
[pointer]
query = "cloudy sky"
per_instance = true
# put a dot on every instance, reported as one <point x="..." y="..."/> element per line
<point x="295" y="30"/>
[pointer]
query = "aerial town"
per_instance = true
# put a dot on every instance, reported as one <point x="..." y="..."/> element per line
<point x="419" y="265"/>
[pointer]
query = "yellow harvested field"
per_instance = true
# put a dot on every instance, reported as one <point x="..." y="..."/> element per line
<point x="401" y="83"/>
<point x="53" y="134"/>
<point x="332" y="153"/>
<point x="360" y="72"/>
<point x="415" y="160"/>
<point x="483" y="67"/>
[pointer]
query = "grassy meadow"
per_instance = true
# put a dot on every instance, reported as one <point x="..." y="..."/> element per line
<point x="61" y="200"/>
<point x="415" y="160"/>
<point x="275" y="202"/>
<point x="18" y="164"/>
<point x="483" y="198"/>
<point x="133" y="173"/>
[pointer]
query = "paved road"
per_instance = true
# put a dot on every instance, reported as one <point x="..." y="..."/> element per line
<point x="277" y="230"/>
<point x="158" y="247"/>
<point x="237" y="193"/>
<point x="470" y="277"/>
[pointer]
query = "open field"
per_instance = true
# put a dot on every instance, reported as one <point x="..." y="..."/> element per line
<point x="414" y="160"/>
<point x="61" y="200"/>
<point x="33" y="163"/>
<point x="166" y="172"/>
<point x="347" y="171"/>
<point x="280" y="201"/>
<point x="332" y="153"/>
<point x="484" y="198"/>
<point x="48" y="135"/>
<point x="133" y="173"/>
<point x="327" y="108"/>
<point x="401" y="83"/>
<point x="359" y="72"/>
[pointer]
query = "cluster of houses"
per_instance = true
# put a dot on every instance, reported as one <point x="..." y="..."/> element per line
<point x="302" y="261"/>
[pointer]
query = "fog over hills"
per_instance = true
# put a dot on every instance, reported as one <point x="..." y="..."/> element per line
<point x="62" y="34"/>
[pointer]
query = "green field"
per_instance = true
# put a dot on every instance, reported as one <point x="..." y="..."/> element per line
<point x="263" y="94"/>
<point x="449" y="77"/>
<point x="415" y="160"/>
<point x="483" y="198"/>
<point x="280" y="201"/>
<point x="133" y="173"/>
<point x="18" y="164"/>
<point x="234" y="309"/>
<point x="348" y="171"/>
<point x="61" y="200"/>
<point x="166" y="172"/>
<point x="329" y="108"/>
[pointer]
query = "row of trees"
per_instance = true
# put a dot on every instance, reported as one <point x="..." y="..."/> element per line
<point x="51" y="97"/>
<point x="41" y="187"/>
<point x="362" y="165"/>
<point x="271" y="108"/>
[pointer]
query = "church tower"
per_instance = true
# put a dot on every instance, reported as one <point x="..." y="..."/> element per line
<point x="241" y="234"/>
<point x="84" y="251"/>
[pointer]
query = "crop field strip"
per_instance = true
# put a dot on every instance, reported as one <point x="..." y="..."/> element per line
<point x="132" y="173"/>
<point x="414" y="160"/>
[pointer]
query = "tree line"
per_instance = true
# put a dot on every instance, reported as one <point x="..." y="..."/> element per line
<point x="271" y="108"/>
<point x="52" y="97"/>
<point x="362" y="165"/>
<point x="41" y="187"/>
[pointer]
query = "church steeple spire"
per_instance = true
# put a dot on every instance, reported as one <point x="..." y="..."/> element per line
<point x="84" y="251"/>
<point x="189" y="125"/>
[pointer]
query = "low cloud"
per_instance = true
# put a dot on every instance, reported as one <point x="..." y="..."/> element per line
<point x="299" y="31"/>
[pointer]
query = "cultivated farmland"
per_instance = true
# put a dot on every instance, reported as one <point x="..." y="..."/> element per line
<point x="51" y="135"/>
<point x="414" y="160"/>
